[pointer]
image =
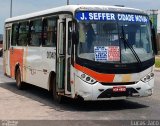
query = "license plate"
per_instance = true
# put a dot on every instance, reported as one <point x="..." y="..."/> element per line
<point x="119" y="89"/>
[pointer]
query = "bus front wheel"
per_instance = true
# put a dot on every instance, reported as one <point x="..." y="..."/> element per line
<point x="56" y="97"/>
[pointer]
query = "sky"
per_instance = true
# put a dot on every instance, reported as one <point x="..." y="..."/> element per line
<point x="21" y="7"/>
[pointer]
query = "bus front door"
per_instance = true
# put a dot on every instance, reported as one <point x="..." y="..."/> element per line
<point x="63" y="56"/>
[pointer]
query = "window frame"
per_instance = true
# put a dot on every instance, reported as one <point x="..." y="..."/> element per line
<point x="16" y="34"/>
<point x="55" y="18"/>
<point x="27" y="33"/>
<point x="30" y="32"/>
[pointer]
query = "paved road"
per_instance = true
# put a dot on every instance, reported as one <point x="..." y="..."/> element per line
<point x="36" y="104"/>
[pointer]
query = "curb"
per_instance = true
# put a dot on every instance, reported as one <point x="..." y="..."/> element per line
<point x="157" y="69"/>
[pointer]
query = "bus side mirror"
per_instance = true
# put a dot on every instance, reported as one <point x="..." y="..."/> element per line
<point x="74" y="38"/>
<point x="154" y="42"/>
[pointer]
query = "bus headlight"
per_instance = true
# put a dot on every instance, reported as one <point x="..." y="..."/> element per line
<point x="148" y="77"/>
<point x="86" y="78"/>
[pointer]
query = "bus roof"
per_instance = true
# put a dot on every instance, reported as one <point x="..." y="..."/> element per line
<point x="73" y="8"/>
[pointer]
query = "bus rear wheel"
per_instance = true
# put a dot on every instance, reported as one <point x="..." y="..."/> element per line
<point x="19" y="82"/>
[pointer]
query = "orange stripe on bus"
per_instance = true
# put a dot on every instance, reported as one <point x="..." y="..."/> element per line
<point x="16" y="56"/>
<point x="101" y="77"/>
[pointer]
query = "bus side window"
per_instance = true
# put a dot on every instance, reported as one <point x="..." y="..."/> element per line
<point x="50" y="32"/>
<point x="15" y="29"/>
<point x="35" y="33"/>
<point x="23" y="34"/>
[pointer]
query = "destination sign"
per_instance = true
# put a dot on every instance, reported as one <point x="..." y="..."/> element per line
<point x="107" y="53"/>
<point x="102" y="16"/>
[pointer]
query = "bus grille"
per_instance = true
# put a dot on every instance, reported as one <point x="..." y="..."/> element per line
<point x="120" y="83"/>
<point x="109" y="93"/>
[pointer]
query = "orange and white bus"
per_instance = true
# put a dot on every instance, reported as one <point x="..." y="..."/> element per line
<point x="89" y="51"/>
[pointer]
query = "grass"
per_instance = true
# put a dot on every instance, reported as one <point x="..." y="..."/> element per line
<point x="157" y="63"/>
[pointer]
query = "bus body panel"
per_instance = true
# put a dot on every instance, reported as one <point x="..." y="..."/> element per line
<point x="16" y="58"/>
<point x="6" y="46"/>
<point x="34" y="62"/>
<point x="38" y="66"/>
<point x="92" y="91"/>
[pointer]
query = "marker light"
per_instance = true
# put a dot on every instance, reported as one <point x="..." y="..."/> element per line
<point x="83" y="76"/>
<point x="148" y="77"/>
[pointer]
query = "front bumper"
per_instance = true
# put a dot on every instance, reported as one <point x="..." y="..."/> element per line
<point x="98" y="91"/>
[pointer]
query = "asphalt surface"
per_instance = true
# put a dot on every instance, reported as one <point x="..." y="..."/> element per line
<point x="35" y="103"/>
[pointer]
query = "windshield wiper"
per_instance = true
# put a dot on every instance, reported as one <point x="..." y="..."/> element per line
<point x="125" y="41"/>
<point x="123" y="37"/>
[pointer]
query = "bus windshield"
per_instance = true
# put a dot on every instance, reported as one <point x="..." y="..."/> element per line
<point x="103" y="40"/>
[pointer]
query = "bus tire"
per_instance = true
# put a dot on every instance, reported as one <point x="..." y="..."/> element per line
<point x="19" y="83"/>
<point x="56" y="97"/>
